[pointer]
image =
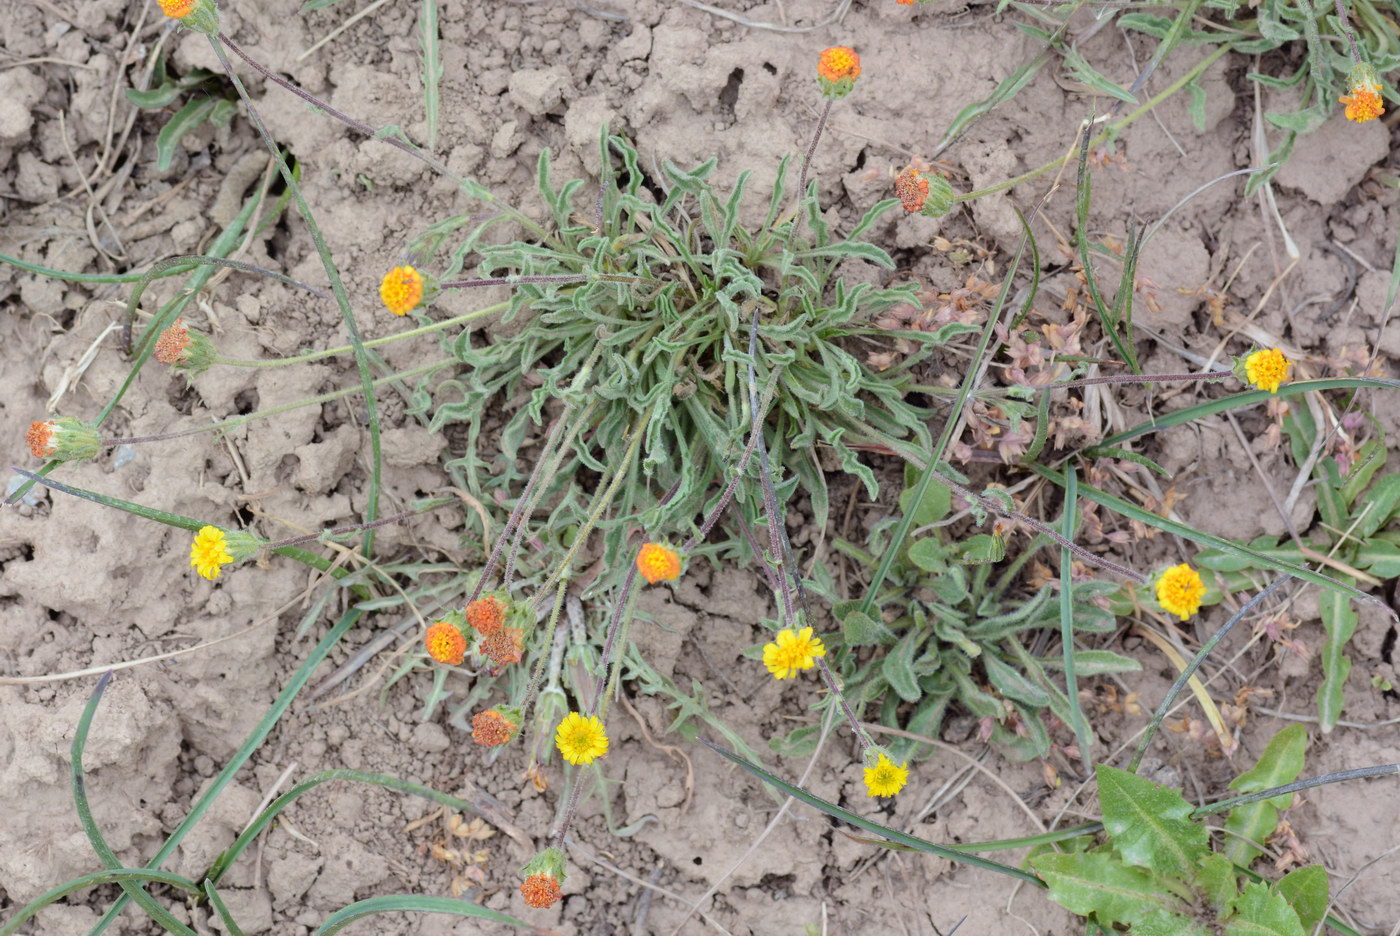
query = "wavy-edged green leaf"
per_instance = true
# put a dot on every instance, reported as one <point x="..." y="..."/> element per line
<point x="1150" y="825"/>
<point x="1261" y="912"/>
<point x="1281" y="762"/>
<point x="1163" y="923"/>
<point x="1376" y="506"/>
<point x="1215" y="879"/>
<point x="412" y="903"/>
<point x="1305" y="889"/>
<point x="1098" y="883"/>
<point x="1339" y="619"/>
<point x="898" y="667"/>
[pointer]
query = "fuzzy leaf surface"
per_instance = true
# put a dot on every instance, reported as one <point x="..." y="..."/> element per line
<point x="1100" y="884"/>
<point x="1150" y="825"/>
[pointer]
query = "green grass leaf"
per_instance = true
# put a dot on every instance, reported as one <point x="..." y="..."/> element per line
<point x="410" y="903"/>
<point x="1150" y="825"/>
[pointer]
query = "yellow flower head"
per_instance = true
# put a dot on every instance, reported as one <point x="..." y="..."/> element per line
<point x="1180" y="590"/>
<point x="658" y="563"/>
<point x="791" y="652"/>
<point x="209" y="553"/>
<point x="486" y="615"/>
<point x="838" y="62"/>
<point x="446" y="643"/>
<point x="1267" y="369"/>
<point x="1364" y="102"/>
<point x="490" y="728"/>
<point x="911" y="188"/>
<point x="177" y="9"/>
<point x="581" y="740"/>
<point x="886" y="778"/>
<point x="401" y="289"/>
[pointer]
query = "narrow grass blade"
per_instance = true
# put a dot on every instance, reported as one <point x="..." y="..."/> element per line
<point x="132" y="889"/>
<point x="432" y="67"/>
<point x="1083" y="734"/>
<point x="115" y="876"/>
<point x="1258" y="559"/>
<point x="67" y="277"/>
<point x="1111" y="324"/>
<point x="231" y="926"/>
<point x="225" y="860"/>
<point x="408" y="903"/>
<point x="894" y="835"/>
<point x="1240" y="400"/>
<point x="245" y="751"/>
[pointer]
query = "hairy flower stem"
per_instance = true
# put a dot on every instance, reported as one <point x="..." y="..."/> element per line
<point x="778" y="539"/>
<point x="363" y="128"/>
<point x="638" y="431"/>
<point x="526" y="280"/>
<point x="806" y="164"/>
<point x="546" y="643"/>
<point x="1134" y="379"/>
<point x="1346" y="31"/>
<point x="373" y="343"/>
<point x="357" y="527"/>
<point x="236" y="421"/>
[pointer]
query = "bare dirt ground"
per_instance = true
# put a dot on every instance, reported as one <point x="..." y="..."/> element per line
<point x="82" y="587"/>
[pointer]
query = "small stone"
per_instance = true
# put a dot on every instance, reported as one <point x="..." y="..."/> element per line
<point x="537" y="90"/>
<point x="430" y="737"/>
<point x="504" y="142"/>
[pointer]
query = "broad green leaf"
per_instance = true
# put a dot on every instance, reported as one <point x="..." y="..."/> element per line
<point x="1378" y="504"/>
<point x="1379" y="557"/>
<point x="1150" y="825"/>
<point x="982" y="548"/>
<point x="1100" y="884"/>
<point x="929" y="554"/>
<point x="861" y="630"/>
<point x="185" y="120"/>
<point x="1013" y="684"/>
<point x="934" y="505"/>
<point x="1164" y="923"/>
<point x="1215" y="878"/>
<point x="1305" y="889"/>
<point x="1281" y="762"/>
<point x="1260" y="912"/>
<point x="898" y="667"/>
<point x="1339" y="619"/>
<point x="1369" y="458"/>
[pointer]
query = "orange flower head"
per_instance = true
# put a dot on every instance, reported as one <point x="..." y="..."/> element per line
<point x="172" y="343"/>
<point x="911" y="188"/>
<point x="1364" y="102"/>
<point x="490" y="728"/>
<point x="540" y="890"/>
<point x="504" y="646"/>
<point x="177" y="9"/>
<point x="445" y="643"/>
<point x="658" y="563"/>
<point x="40" y="438"/>
<point x="487" y="615"/>
<point x="401" y="289"/>
<point x="838" y="62"/>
